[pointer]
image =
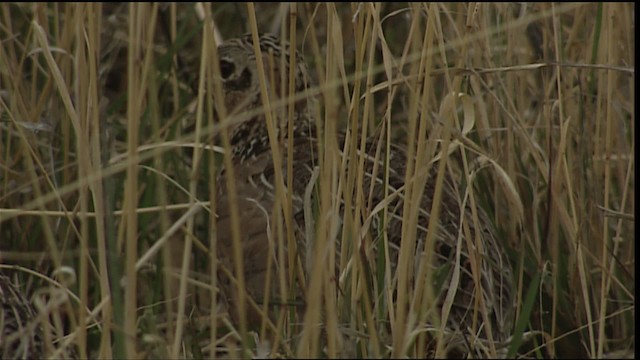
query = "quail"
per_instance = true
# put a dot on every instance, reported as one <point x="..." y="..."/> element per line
<point x="254" y="173"/>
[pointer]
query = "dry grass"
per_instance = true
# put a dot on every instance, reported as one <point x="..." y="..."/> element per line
<point x="101" y="103"/>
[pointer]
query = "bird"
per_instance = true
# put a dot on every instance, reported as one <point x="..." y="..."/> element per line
<point x="254" y="172"/>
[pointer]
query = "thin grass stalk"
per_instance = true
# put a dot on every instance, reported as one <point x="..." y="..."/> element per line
<point x="472" y="243"/>
<point x="276" y="233"/>
<point x="232" y="192"/>
<point x="423" y="298"/>
<point x="213" y="240"/>
<point x="328" y="203"/>
<point x="135" y="94"/>
<point x="333" y="178"/>
<point x="99" y="155"/>
<point x="188" y="243"/>
<point x="348" y="178"/>
<point x="383" y="260"/>
<point x="159" y="183"/>
<point x="110" y="266"/>
<point x="213" y="87"/>
<point x="604" y="280"/>
<point x="448" y="114"/>
<point x="363" y="273"/>
<point x="552" y="226"/>
<point x="84" y="167"/>
<point x="330" y="169"/>
<point x="288" y="94"/>
<point x="400" y="327"/>
<point x="162" y="190"/>
<point x="137" y="77"/>
<point x="92" y="118"/>
<point x="307" y="345"/>
<point x="39" y="201"/>
<point x="281" y="205"/>
<point x="359" y="274"/>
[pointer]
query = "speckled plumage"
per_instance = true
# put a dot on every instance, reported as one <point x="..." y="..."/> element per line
<point x="255" y="176"/>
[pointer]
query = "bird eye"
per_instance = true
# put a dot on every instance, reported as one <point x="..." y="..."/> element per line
<point x="226" y="69"/>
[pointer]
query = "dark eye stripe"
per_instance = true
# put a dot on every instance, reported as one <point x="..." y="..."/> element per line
<point x="243" y="82"/>
<point x="226" y="68"/>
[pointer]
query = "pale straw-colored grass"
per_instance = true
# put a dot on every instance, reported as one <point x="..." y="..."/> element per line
<point x="532" y="103"/>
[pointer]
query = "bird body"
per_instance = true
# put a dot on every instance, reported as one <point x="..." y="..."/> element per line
<point x="255" y="181"/>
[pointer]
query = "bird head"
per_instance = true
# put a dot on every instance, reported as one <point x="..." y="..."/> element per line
<point x="240" y="76"/>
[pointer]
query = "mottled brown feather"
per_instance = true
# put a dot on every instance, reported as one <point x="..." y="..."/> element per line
<point x="255" y="176"/>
